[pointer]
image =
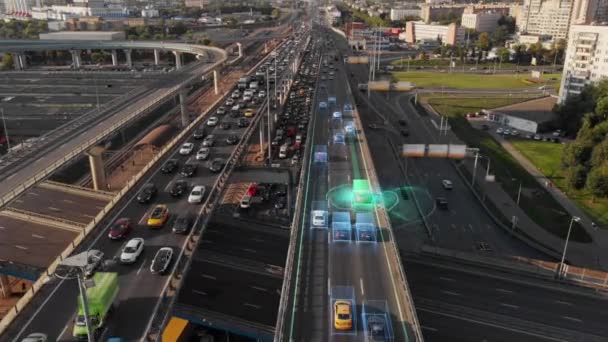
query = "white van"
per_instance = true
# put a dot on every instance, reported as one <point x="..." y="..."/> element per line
<point x="283" y="151"/>
<point x="246" y="201"/>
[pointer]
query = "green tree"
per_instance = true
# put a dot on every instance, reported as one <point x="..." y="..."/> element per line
<point x="7" y="61"/>
<point x="97" y="57"/>
<point x="576" y="176"/>
<point x="597" y="181"/>
<point x="499" y="36"/>
<point x="504" y="54"/>
<point x="275" y="13"/>
<point x="600" y="154"/>
<point x="576" y="153"/>
<point x="483" y="42"/>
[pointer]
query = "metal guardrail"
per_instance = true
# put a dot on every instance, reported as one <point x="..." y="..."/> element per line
<point x="394" y="252"/>
<point x="44" y="218"/>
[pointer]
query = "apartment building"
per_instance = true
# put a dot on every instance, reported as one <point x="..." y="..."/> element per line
<point x="482" y="21"/>
<point x="416" y="31"/>
<point x="586" y="58"/>
<point x="401" y="13"/>
<point x="554" y="17"/>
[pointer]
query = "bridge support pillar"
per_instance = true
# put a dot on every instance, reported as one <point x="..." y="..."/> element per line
<point x="76" y="60"/>
<point x="178" y="60"/>
<point x="98" y="172"/>
<point x="129" y="60"/>
<point x="114" y="58"/>
<point x="240" y="47"/>
<point x="5" y="287"/>
<point x="216" y="81"/>
<point x="156" y="57"/>
<point x="183" y="109"/>
<point x="16" y="62"/>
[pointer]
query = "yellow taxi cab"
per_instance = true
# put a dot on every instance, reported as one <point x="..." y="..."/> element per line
<point x="158" y="216"/>
<point x="248" y="113"/>
<point x="343" y="319"/>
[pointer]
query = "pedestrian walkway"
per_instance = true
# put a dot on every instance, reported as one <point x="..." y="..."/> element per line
<point x="131" y="166"/>
<point x="18" y="288"/>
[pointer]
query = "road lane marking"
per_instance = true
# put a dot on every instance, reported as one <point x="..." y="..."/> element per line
<point x="11" y="176"/>
<point x="21" y="247"/>
<point x="504" y="290"/>
<point x="141" y="266"/>
<point x="471" y="227"/>
<point x="563" y="303"/>
<point x="329" y="285"/>
<point x="259" y="288"/>
<point x="447" y="279"/>
<point x="362" y="289"/>
<point x="252" y="305"/>
<point x="68" y="201"/>
<point x="574" y="319"/>
<point x="424" y="327"/>
<point x="200" y="292"/>
<point x="451" y="293"/>
<point x="38" y="236"/>
<point x="529" y="333"/>
<point x="208" y="276"/>
<point x="510" y="305"/>
<point x="64" y="330"/>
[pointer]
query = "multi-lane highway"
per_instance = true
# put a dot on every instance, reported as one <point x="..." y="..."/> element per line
<point x="328" y="266"/>
<point x="137" y="303"/>
<point x="494" y="306"/>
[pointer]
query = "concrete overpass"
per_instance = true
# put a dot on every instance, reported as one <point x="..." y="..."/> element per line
<point x="30" y="163"/>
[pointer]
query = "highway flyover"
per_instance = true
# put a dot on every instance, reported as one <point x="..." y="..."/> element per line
<point x="30" y="164"/>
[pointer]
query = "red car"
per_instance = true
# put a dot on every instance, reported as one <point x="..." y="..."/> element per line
<point x="253" y="190"/>
<point x="120" y="229"/>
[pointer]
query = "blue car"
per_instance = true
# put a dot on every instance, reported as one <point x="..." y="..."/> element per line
<point x="322" y="105"/>
<point x="339" y="138"/>
<point x="348" y="107"/>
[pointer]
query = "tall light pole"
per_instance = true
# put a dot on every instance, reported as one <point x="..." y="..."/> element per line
<point x="561" y="263"/>
<point x="8" y="140"/>
<point x="268" y="112"/>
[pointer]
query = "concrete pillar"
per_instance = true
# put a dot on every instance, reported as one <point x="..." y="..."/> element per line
<point x="216" y="81"/>
<point x="178" y="60"/>
<point x="22" y="61"/>
<point x="114" y="58"/>
<point x="240" y="47"/>
<point x="129" y="60"/>
<point x="183" y="109"/>
<point x="5" y="287"/>
<point x="98" y="172"/>
<point x="16" y="63"/>
<point x="76" y="60"/>
<point x="156" y="57"/>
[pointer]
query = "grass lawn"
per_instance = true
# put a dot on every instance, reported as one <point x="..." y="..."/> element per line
<point x="536" y="201"/>
<point x="452" y="105"/>
<point x="471" y="81"/>
<point x="546" y="157"/>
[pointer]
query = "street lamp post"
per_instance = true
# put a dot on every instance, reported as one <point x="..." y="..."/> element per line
<point x="561" y="263"/>
<point x="8" y="140"/>
<point x="519" y="193"/>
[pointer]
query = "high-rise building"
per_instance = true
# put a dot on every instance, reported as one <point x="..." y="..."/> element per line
<point x="554" y="17"/>
<point x="586" y="58"/>
<point x="482" y="21"/>
<point x="451" y="34"/>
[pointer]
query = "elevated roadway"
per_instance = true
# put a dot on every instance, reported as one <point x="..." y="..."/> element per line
<point x="24" y="167"/>
<point x="324" y="264"/>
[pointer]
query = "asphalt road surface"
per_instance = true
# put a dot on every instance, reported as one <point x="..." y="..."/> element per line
<point x="328" y="264"/>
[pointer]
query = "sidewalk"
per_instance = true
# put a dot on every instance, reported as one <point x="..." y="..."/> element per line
<point x="492" y="194"/>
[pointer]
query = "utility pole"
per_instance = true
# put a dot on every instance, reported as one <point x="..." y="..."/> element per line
<point x="268" y="112"/>
<point x="8" y="140"/>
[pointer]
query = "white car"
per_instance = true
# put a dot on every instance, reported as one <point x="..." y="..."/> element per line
<point x="203" y="153"/>
<point x="447" y="184"/>
<point x="186" y="149"/>
<point x="212" y="121"/>
<point x="319" y="218"/>
<point x="246" y="98"/>
<point x="499" y="130"/>
<point x="349" y="129"/>
<point x="229" y="102"/>
<point x="209" y="140"/>
<point x="262" y="94"/>
<point x="337" y="115"/>
<point x="161" y="260"/>
<point x="196" y="195"/>
<point x="132" y="251"/>
<point x="35" y="337"/>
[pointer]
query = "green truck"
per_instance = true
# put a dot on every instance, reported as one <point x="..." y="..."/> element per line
<point x="100" y="300"/>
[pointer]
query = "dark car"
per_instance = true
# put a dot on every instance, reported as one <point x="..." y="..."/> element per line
<point x="181" y="225"/>
<point x="402" y="122"/>
<point x="279" y="190"/>
<point x="216" y="165"/>
<point x="199" y="134"/>
<point x="161" y="260"/>
<point x="404" y="133"/>
<point x="225" y="126"/>
<point x="169" y="166"/>
<point x="179" y="187"/>
<point x="120" y="228"/>
<point x="232" y="139"/>
<point x="188" y="170"/>
<point x="147" y="193"/>
<point x="442" y="203"/>
<point x="280" y="203"/>
<point x="243" y="122"/>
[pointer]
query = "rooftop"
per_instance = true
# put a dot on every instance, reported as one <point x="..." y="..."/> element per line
<point x="538" y="110"/>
